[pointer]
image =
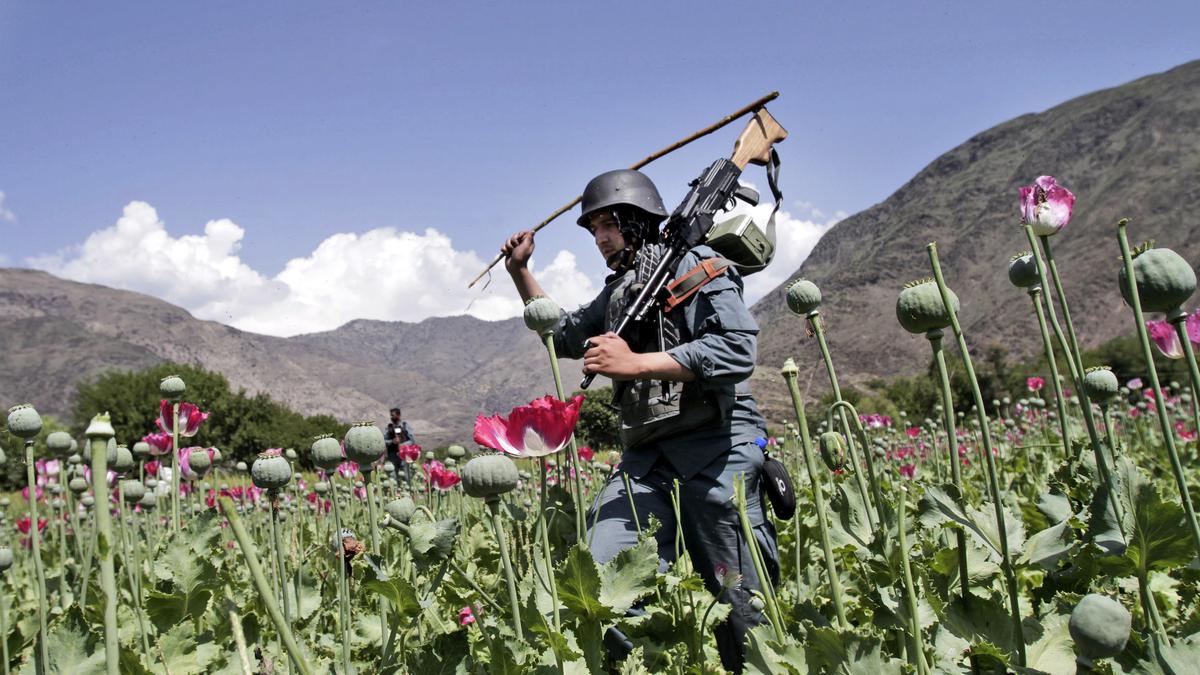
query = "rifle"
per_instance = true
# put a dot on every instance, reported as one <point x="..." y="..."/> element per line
<point x="693" y="218"/>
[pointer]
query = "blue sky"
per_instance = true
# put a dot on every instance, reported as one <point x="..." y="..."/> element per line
<point x="287" y="167"/>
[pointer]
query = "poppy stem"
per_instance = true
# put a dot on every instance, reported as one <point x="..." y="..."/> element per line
<point x="573" y="449"/>
<point x="99" y="446"/>
<point x="760" y="568"/>
<point x="175" y="466"/>
<point x="264" y="589"/>
<point x="880" y="505"/>
<point x="493" y="506"/>
<point x="339" y="562"/>
<point x="910" y="593"/>
<point x="35" y="536"/>
<point x="1010" y="576"/>
<point x="1189" y="353"/>
<point x="835" y="581"/>
<point x="1035" y="294"/>
<point x="1164" y="421"/>
<point x="939" y="356"/>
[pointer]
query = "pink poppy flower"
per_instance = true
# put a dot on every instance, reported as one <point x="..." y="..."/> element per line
<point x="26" y="524"/>
<point x="439" y="476"/>
<point x="465" y="616"/>
<point x="1165" y="338"/>
<point x="160" y="443"/>
<point x="151" y="467"/>
<point x="541" y="428"/>
<point x="586" y="454"/>
<point x="1034" y="383"/>
<point x="39" y="493"/>
<point x="410" y="452"/>
<point x="185" y="466"/>
<point x="348" y="469"/>
<point x="908" y="470"/>
<point x="1046" y="206"/>
<point x="190" y="418"/>
<point x="913" y="432"/>
<point x="47" y="467"/>
<point x="1135" y="383"/>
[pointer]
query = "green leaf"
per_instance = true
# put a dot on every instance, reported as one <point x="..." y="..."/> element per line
<point x="67" y="644"/>
<point x="1048" y="547"/>
<point x="852" y="526"/>
<point x="628" y="577"/>
<point x="1054" y="651"/>
<point x="939" y="506"/>
<point x="980" y="621"/>
<point x="765" y="656"/>
<point x="579" y="586"/>
<point x="398" y="592"/>
<point x="183" y="653"/>
<point x="443" y="656"/>
<point x="1158" y="542"/>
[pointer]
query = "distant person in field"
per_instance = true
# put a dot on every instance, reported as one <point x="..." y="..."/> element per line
<point x="700" y="430"/>
<point x="398" y="433"/>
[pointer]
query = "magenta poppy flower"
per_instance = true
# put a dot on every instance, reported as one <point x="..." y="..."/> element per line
<point x="439" y="476"/>
<point x="1034" y="383"/>
<point x="348" y="469"/>
<point x="541" y="428"/>
<point x="185" y="465"/>
<point x="410" y="452"/>
<point x="39" y="493"/>
<point x="47" y="467"/>
<point x="913" y="432"/>
<point x="1046" y="206"/>
<point x="190" y="418"/>
<point x="1135" y="383"/>
<point x="151" y="467"/>
<point x="25" y="524"/>
<point x="160" y="443"/>
<point x="1165" y="338"/>
<point x="465" y="616"/>
<point x="586" y="454"/>
<point x="908" y="470"/>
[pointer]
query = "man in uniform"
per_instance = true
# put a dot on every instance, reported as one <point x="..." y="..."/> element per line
<point x="686" y="412"/>
<point x="397" y="434"/>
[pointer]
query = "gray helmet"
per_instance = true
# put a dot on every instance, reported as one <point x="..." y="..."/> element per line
<point x="622" y="187"/>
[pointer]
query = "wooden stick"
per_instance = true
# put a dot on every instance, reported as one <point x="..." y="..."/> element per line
<point x="643" y="162"/>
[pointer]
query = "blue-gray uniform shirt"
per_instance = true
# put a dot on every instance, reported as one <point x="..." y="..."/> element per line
<point x="718" y="342"/>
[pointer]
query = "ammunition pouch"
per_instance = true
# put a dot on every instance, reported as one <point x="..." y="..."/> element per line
<point x="651" y="411"/>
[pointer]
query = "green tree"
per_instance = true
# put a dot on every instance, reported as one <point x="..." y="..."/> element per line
<point x="599" y="426"/>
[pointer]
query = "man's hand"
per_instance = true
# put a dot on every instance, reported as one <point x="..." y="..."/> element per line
<point x="611" y="356"/>
<point x="517" y="251"/>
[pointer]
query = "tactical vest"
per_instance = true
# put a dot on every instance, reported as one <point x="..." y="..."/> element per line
<point x="652" y="410"/>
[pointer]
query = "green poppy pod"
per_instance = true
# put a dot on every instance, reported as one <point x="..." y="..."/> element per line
<point x="1164" y="279"/>
<point x="241" y="466"/>
<point x="199" y="461"/>
<point x="24" y="421"/>
<point x="271" y="471"/>
<point x="59" y="442"/>
<point x="75" y="459"/>
<point x="291" y="455"/>
<point x="124" y="460"/>
<point x="321" y="487"/>
<point x="803" y="297"/>
<point x="77" y="485"/>
<point x="148" y="501"/>
<point x="365" y="444"/>
<point x="327" y="452"/>
<point x="541" y="315"/>
<point x="450" y="461"/>
<point x="1100" y="627"/>
<point x="1100" y="384"/>
<point x="172" y="388"/>
<point x="133" y="491"/>
<point x="151" y="482"/>
<point x="141" y="449"/>
<point x="6" y="558"/>
<point x="489" y="476"/>
<point x="789" y="368"/>
<point x="88" y="501"/>
<point x="833" y="450"/>
<point x="456" y="451"/>
<point x="401" y="510"/>
<point x="1022" y="271"/>
<point x="919" y="307"/>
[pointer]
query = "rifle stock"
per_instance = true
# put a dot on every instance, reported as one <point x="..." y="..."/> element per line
<point x="753" y="145"/>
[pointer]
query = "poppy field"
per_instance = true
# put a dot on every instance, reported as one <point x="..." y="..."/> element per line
<point x="1051" y="531"/>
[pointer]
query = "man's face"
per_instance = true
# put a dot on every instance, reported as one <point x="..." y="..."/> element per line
<point x="607" y="234"/>
<point x="395" y="417"/>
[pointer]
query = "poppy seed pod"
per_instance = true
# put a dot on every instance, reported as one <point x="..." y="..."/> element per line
<point x="1164" y="279"/>
<point x="59" y="442"/>
<point x="241" y="466"/>
<point x="199" y="460"/>
<point x="1100" y="627"/>
<point x="24" y="421"/>
<point x="141" y="449"/>
<point x="172" y="387"/>
<point x="6" y="558"/>
<point x="364" y="444"/>
<point x="290" y="454"/>
<point x="1100" y="384"/>
<point x="541" y="315"/>
<point x="401" y="510"/>
<point x="270" y="471"/>
<point x="1022" y="271"/>
<point x="327" y="453"/>
<point x="78" y="485"/>
<point x="833" y="450"/>
<point x="100" y="427"/>
<point x="124" y="461"/>
<point x="489" y="476"/>
<point x="133" y="491"/>
<point x="110" y="452"/>
<point x="456" y="451"/>
<point x="803" y="297"/>
<point x="920" y="309"/>
<point x="88" y="501"/>
<point x="148" y="501"/>
<point x="789" y="368"/>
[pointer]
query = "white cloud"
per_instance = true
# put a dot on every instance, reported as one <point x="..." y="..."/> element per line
<point x="384" y="274"/>
<point x="5" y="212"/>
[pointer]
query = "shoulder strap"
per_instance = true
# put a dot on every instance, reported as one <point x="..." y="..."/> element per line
<point x="693" y="280"/>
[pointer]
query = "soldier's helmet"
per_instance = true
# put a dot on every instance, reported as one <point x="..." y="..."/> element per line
<point x="631" y="195"/>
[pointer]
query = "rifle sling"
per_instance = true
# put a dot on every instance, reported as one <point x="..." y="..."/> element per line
<point x="686" y="286"/>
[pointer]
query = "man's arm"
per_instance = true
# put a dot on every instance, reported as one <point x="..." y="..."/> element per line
<point x="517" y="251"/>
<point x="611" y="356"/>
